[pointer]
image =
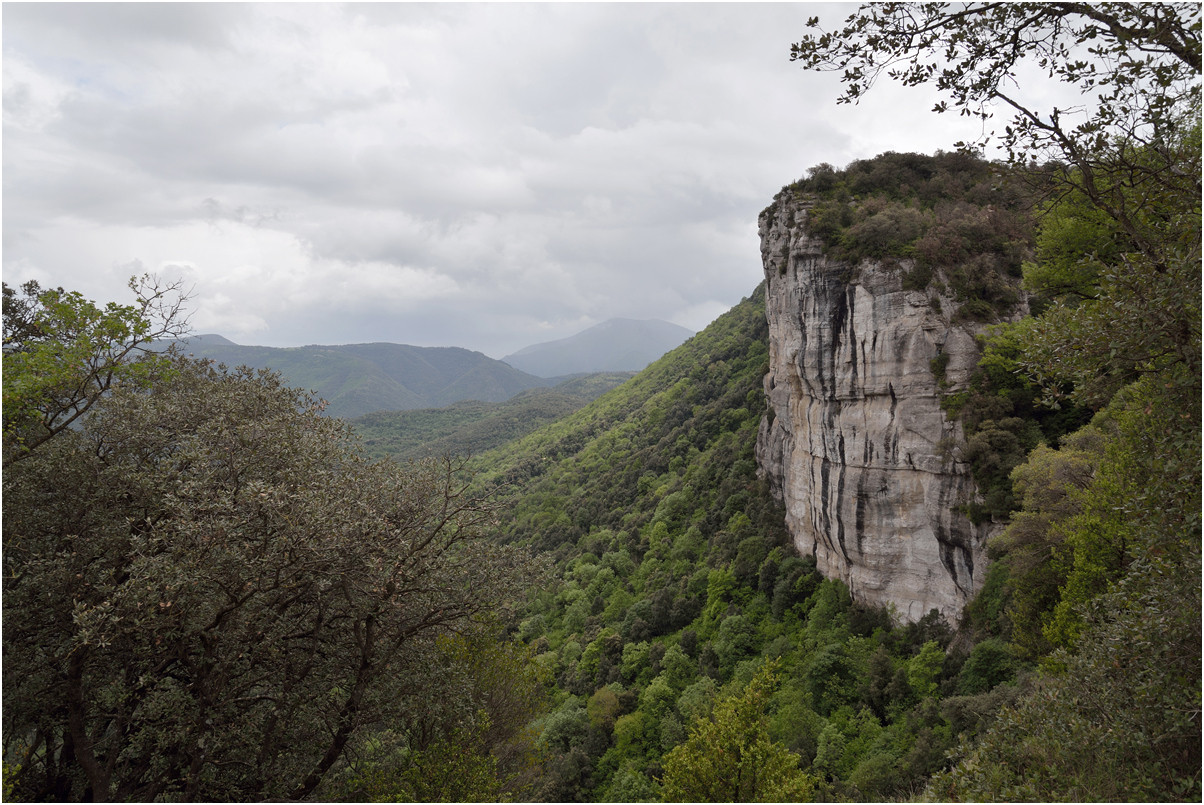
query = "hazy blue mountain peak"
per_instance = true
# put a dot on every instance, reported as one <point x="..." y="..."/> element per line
<point x="615" y="345"/>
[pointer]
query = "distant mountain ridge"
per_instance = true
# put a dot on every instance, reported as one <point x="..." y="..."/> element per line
<point x="615" y="345"/>
<point x="358" y="379"/>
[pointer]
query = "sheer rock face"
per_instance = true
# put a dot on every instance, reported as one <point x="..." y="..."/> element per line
<point x="855" y="442"/>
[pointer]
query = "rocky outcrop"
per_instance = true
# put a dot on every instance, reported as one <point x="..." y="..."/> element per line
<point x="855" y="442"/>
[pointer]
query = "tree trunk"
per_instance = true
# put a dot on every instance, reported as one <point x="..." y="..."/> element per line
<point x="98" y="776"/>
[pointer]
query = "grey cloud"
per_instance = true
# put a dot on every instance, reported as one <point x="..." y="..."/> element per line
<point x="481" y="175"/>
<point x="75" y="30"/>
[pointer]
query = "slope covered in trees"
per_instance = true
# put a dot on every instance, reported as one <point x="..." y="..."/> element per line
<point x="680" y="604"/>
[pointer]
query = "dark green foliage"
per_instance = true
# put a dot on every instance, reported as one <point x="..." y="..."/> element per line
<point x="986" y="612"/>
<point x="797" y="579"/>
<point x="990" y="663"/>
<point x="938" y="365"/>
<point x="1004" y="420"/>
<point x="918" y="278"/>
<point x="886" y="232"/>
<point x="829" y="679"/>
<point x="904" y="176"/>
<point x="908" y="639"/>
<point x="992" y="450"/>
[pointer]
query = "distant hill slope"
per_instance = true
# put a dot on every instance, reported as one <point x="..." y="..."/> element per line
<point x="471" y="427"/>
<point x="617" y="345"/>
<point x="358" y="379"/>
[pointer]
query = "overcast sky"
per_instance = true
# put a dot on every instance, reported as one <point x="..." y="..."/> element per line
<point x="485" y="176"/>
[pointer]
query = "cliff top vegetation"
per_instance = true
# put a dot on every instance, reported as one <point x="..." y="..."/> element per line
<point x="952" y="222"/>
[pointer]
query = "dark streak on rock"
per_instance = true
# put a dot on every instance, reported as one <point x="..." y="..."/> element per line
<point x="859" y="520"/>
<point x="852" y="338"/>
<point x="840" y="486"/>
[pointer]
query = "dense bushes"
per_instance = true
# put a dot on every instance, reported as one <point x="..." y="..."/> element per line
<point x="951" y="213"/>
<point x="210" y="594"/>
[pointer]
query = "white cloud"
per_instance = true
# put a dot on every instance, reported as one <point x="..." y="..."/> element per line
<point x="483" y="175"/>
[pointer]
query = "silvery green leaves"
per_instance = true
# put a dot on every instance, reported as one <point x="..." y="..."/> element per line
<point x="210" y="593"/>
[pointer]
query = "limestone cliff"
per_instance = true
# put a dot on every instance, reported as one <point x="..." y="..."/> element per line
<point x="855" y="442"/>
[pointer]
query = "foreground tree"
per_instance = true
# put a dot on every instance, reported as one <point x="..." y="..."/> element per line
<point x="210" y="594"/>
<point x="729" y="757"/>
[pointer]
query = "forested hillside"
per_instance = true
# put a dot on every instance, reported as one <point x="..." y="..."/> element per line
<point x="680" y="599"/>
<point x="359" y="379"/>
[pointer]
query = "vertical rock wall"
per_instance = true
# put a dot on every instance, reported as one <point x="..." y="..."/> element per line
<point x="856" y="443"/>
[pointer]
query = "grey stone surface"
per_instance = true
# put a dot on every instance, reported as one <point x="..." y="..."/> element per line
<point x="856" y="443"/>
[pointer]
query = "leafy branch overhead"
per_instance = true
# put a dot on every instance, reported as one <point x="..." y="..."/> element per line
<point x="62" y="353"/>
<point x="1136" y="64"/>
